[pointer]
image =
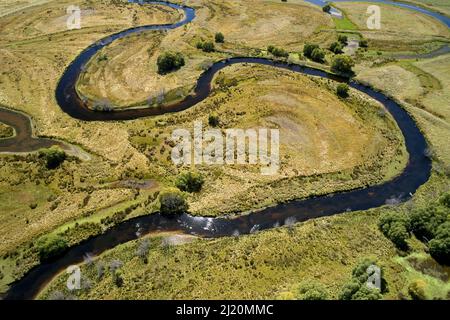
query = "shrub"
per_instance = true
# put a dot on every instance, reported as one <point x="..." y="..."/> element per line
<point x="170" y="61"/>
<point x="308" y="49"/>
<point x="50" y="246"/>
<point x="172" y="202"/>
<point x="207" y="46"/>
<point x="357" y="288"/>
<point x="326" y="8"/>
<point x="336" y="47"/>
<point x="318" y="55"/>
<point x="342" y="39"/>
<point x="417" y="290"/>
<point x="342" y="90"/>
<point x="278" y="52"/>
<point x="363" y="43"/>
<point x="213" y="120"/>
<point x="342" y="64"/>
<point x="425" y="221"/>
<point x="53" y="156"/>
<point x="395" y="227"/>
<point x="445" y="200"/>
<point x="440" y="245"/>
<point x="219" y="37"/>
<point x="312" y="291"/>
<point x="190" y="182"/>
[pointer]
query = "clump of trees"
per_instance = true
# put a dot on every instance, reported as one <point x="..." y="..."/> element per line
<point x="326" y="8"/>
<point x="312" y="291"/>
<point x="430" y="224"/>
<point x="206" y="46"/>
<point x="172" y="202"/>
<point x="440" y="245"/>
<point x="309" y="48"/>
<point x="314" y="52"/>
<point x="342" y="64"/>
<point x="278" y="52"/>
<point x="357" y="288"/>
<point x="190" y="181"/>
<point x="342" y="38"/>
<point x="53" y="156"/>
<point x="50" y="246"/>
<point x="395" y="227"/>
<point x="170" y="61"/>
<point x="219" y="37"/>
<point x="363" y="43"/>
<point x="336" y="47"/>
<point x="342" y="90"/>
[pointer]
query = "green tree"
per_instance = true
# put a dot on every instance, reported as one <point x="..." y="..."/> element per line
<point x="342" y="64"/>
<point x="308" y="49"/>
<point x="318" y="55"/>
<point x="357" y="288"/>
<point x="53" y="156"/>
<point x="343" y="39"/>
<point x="440" y="245"/>
<point x="425" y="221"/>
<point x="170" y="61"/>
<point x="395" y="227"/>
<point x="363" y="43"/>
<point x="50" y="246"/>
<point x="207" y="46"/>
<point x="172" y="202"/>
<point x="326" y="8"/>
<point x="190" y="181"/>
<point x="342" y="90"/>
<point x="336" y="47"/>
<point x="219" y="37"/>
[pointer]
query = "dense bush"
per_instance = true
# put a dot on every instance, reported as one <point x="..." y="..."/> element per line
<point x="172" y="202"/>
<point x="170" y="61"/>
<point x="326" y="8"/>
<point x="342" y="90"/>
<point x="219" y="37"/>
<point x="206" y="46"/>
<point x="50" y="246"/>
<point x="416" y="289"/>
<point x="357" y="288"/>
<point x="278" y="52"/>
<point x="342" y="39"/>
<point x="213" y="120"/>
<point x="363" y="43"/>
<point x="312" y="291"/>
<point x="342" y="64"/>
<point x="318" y="55"/>
<point x="425" y="221"/>
<point x="53" y="156"/>
<point x="308" y="49"/>
<point x="395" y="227"/>
<point x="336" y="47"/>
<point x="440" y="245"/>
<point x="190" y="182"/>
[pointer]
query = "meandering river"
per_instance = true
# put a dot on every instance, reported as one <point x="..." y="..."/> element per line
<point x="402" y="187"/>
